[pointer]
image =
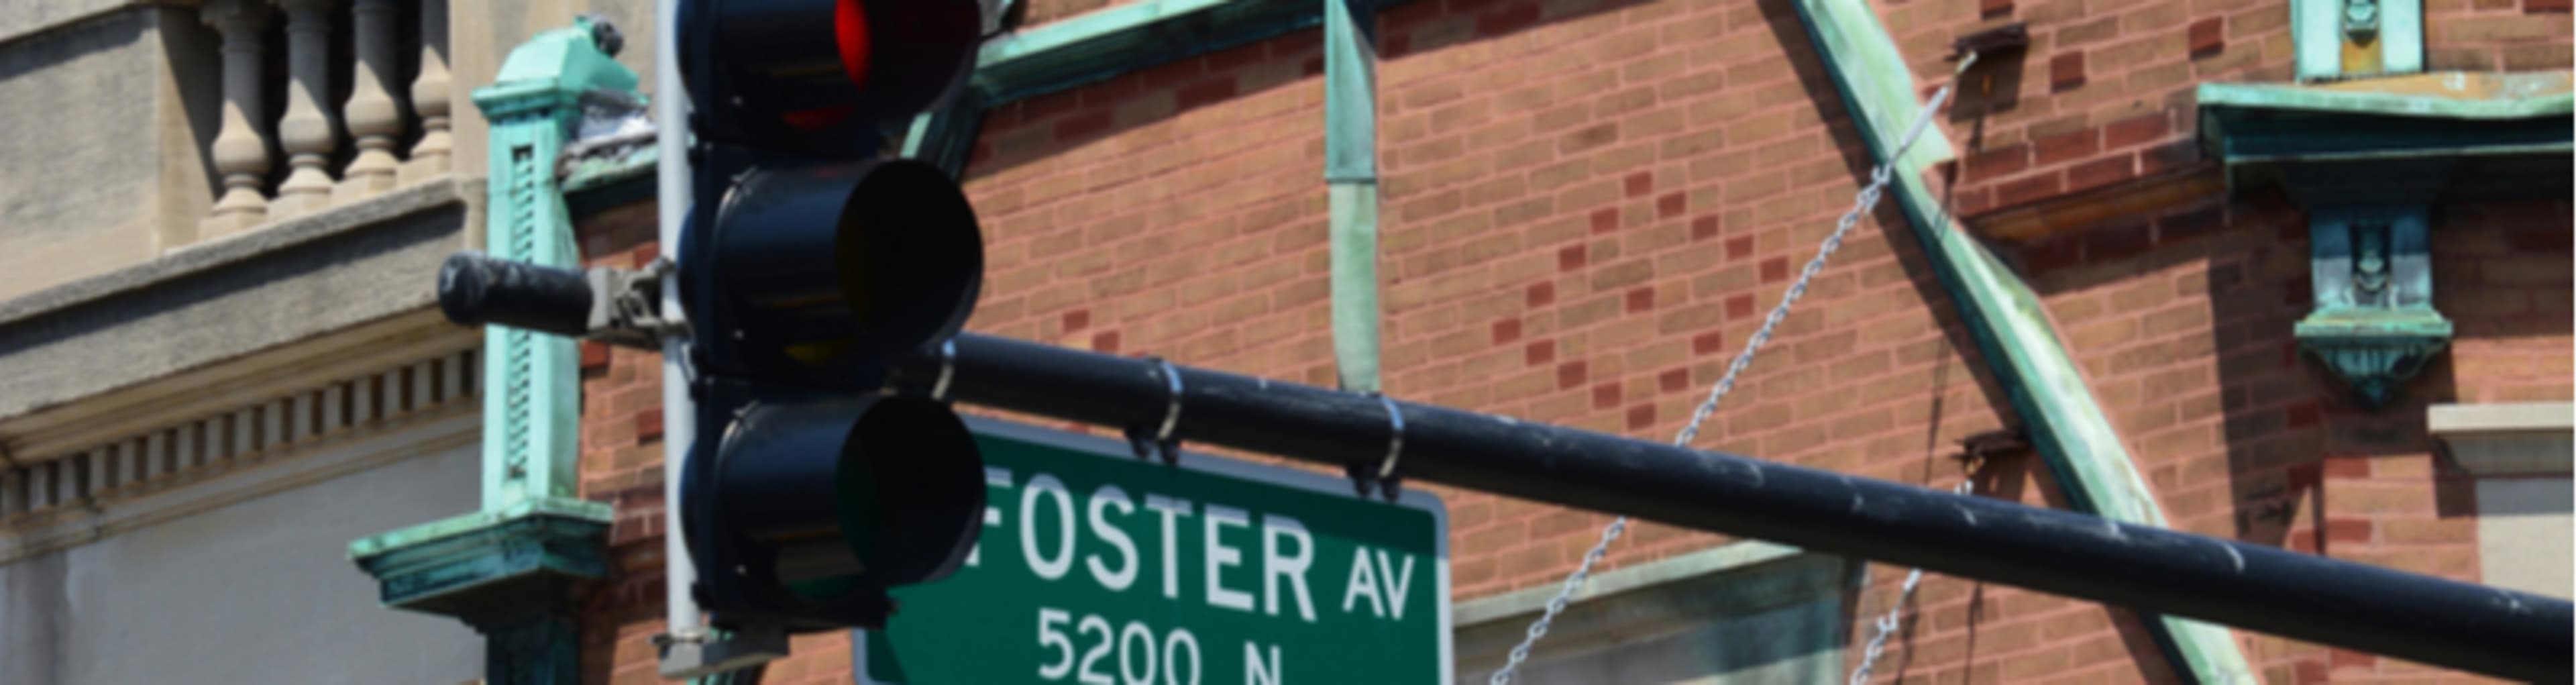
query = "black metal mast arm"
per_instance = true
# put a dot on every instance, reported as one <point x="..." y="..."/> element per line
<point x="2306" y="597"/>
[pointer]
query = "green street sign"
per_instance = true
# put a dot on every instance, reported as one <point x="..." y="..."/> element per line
<point x="1098" y="568"/>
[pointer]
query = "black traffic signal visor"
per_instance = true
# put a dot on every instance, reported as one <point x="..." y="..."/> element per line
<point x="831" y="269"/>
<point x="818" y="77"/>
<point x="878" y="491"/>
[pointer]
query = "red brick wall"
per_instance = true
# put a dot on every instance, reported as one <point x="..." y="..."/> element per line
<point x="1588" y="208"/>
<point x="2104" y="92"/>
<point x="1590" y="204"/>
<point x="2488" y="35"/>
<point x="2182" y="324"/>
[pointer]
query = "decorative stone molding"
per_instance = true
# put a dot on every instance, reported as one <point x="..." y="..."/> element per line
<point x="48" y="500"/>
<point x="2519" y="439"/>
<point x="311" y="130"/>
<point x="240" y="149"/>
<point x="373" y="116"/>
<point x="429" y="96"/>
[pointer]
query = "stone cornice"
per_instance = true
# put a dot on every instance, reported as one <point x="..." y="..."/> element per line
<point x="48" y="496"/>
<point x="2516" y="439"/>
<point x="153" y="478"/>
<point x="294" y="281"/>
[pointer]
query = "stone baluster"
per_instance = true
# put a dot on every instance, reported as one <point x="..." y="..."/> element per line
<point x="240" y="151"/>
<point x="429" y="96"/>
<point x="373" y="119"/>
<point x="306" y="128"/>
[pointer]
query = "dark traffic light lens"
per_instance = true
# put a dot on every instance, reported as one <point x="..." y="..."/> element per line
<point x="837" y="267"/>
<point x="881" y="490"/>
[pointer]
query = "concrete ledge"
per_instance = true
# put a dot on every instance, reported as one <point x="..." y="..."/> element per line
<point x="30" y="18"/>
<point x="232" y="249"/>
<point x="2516" y="439"/>
<point x="292" y="280"/>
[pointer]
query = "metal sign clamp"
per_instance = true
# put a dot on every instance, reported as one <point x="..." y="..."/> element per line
<point x="1385" y="480"/>
<point x="1161" y="441"/>
<point x="947" y="370"/>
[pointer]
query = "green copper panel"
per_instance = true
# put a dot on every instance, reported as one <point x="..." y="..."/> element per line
<point x="1350" y="91"/>
<point x="509" y="569"/>
<point x="532" y="405"/>
<point x="1350" y="171"/>
<point x="1354" y="284"/>
<point x="1098" y="45"/>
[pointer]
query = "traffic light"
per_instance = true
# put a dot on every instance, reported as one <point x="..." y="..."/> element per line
<point x="808" y="262"/>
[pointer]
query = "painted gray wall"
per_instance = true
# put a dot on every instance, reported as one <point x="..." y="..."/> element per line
<point x="258" y="591"/>
<point x="1774" y="622"/>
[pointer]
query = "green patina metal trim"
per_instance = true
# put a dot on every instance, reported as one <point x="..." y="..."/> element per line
<point x="2401" y="36"/>
<point x="1067" y="54"/>
<point x="1350" y="91"/>
<point x="945" y="137"/>
<point x="1354" y="283"/>
<point x="2319" y="28"/>
<point x="2367" y="158"/>
<point x="2514" y="96"/>
<point x="532" y="417"/>
<point x="508" y="568"/>
<point x="2004" y="316"/>
<point x="436" y="532"/>
<point x="1350" y="177"/>
<point x="435" y="566"/>
<point x="2374" y="323"/>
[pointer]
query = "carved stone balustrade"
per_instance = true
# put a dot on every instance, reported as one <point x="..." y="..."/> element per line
<point x="389" y="129"/>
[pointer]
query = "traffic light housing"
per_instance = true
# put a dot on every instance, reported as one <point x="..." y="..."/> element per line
<point x="807" y="264"/>
<point x="815" y="77"/>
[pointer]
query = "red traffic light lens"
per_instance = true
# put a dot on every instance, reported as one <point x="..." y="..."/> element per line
<point x="818" y="78"/>
<point x="850" y="31"/>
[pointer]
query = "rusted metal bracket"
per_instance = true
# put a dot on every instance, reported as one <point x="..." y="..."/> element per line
<point x="2013" y="37"/>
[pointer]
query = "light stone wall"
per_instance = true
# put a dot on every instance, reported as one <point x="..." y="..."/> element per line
<point x="112" y="104"/>
<point x="2524" y="539"/>
<point x="100" y="163"/>
<point x="254" y="591"/>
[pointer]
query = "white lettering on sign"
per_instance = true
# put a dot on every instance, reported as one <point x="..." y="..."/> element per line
<point x="1363" y="585"/>
<point x="1102" y="500"/>
<point x="1099" y="529"/>
<point x="1276" y="566"/>
<point x="1173" y="645"/>
<point x="994" y="477"/>
<point x="1257" y="671"/>
<point x="1398" y="581"/>
<point x="1047" y="567"/>
<point x="1139" y="656"/>
<point x="1219" y="556"/>
<point x="1383" y="584"/>
<point x="1170" y="509"/>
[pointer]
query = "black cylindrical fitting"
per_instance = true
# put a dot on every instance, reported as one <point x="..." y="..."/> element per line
<point x="475" y="290"/>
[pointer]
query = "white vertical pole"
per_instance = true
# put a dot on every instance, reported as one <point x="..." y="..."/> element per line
<point x="671" y="115"/>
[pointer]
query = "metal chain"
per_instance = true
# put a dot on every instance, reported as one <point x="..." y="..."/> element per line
<point x="1861" y="204"/>
<point x="1888" y="624"/>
